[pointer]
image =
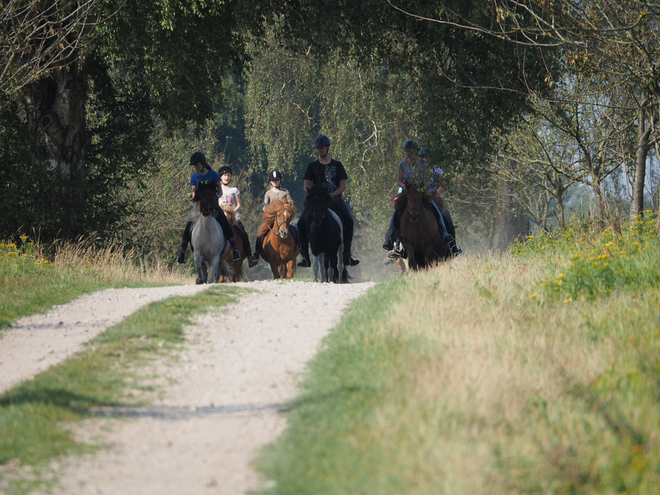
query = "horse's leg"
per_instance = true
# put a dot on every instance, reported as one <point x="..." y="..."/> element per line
<point x="317" y="261"/>
<point x="290" y="268"/>
<point x="201" y="268"/>
<point x="274" y="267"/>
<point x="331" y="262"/>
<point x="204" y="275"/>
<point x="215" y="269"/>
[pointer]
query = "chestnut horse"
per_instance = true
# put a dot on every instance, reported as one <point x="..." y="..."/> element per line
<point x="418" y="229"/>
<point x="239" y="271"/>
<point x="279" y="248"/>
<point x="207" y="239"/>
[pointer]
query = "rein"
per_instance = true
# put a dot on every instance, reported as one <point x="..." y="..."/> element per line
<point x="276" y="224"/>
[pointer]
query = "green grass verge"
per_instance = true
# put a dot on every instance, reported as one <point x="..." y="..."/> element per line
<point x="481" y="377"/>
<point x="31" y="414"/>
<point x="31" y="283"/>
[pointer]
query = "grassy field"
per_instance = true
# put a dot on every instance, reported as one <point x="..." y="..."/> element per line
<point x="534" y="372"/>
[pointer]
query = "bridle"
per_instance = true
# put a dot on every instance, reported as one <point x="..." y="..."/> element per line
<point x="277" y="226"/>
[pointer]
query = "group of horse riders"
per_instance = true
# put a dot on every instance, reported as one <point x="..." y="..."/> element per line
<point x="329" y="173"/>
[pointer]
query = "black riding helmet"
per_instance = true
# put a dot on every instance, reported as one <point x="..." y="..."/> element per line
<point x="224" y="169"/>
<point x="274" y="175"/>
<point x="321" y="140"/>
<point x="197" y="157"/>
<point x="411" y="144"/>
<point x="423" y="152"/>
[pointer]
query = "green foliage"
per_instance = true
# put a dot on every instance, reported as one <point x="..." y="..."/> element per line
<point x="32" y="282"/>
<point x="596" y="264"/>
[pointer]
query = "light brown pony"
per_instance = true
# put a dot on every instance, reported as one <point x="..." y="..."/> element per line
<point x="279" y="248"/>
<point x="418" y="230"/>
<point x="239" y="271"/>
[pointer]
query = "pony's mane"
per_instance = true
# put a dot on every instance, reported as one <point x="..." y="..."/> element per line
<point x="229" y="213"/>
<point x="272" y="210"/>
<point x="402" y="199"/>
<point x="317" y="191"/>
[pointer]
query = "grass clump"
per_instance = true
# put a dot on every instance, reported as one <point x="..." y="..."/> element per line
<point x="103" y="374"/>
<point x="473" y="377"/>
<point x="594" y="264"/>
<point x="31" y="281"/>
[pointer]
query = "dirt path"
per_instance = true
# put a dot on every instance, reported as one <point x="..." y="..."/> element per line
<point x="222" y="399"/>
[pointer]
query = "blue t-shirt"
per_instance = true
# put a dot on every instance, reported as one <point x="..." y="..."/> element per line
<point x="210" y="177"/>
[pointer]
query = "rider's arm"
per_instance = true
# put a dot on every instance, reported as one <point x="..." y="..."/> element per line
<point x="194" y="190"/>
<point x="399" y="180"/>
<point x="238" y="202"/>
<point x="307" y="184"/>
<point x="340" y="189"/>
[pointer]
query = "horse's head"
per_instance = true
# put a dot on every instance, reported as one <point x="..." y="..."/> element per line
<point x="413" y="203"/>
<point x="207" y="196"/>
<point x="317" y="203"/>
<point x="277" y="216"/>
<point x="229" y="212"/>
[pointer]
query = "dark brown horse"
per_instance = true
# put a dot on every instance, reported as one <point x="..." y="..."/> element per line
<point x="418" y="229"/>
<point x="279" y="248"/>
<point x="237" y="266"/>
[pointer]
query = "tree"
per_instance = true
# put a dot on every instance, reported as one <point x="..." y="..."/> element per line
<point x="37" y="37"/>
<point x="617" y="42"/>
<point x="88" y="119"/>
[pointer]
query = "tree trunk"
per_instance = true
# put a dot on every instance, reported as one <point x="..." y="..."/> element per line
<point x="55" y="108"/>
<point x="643" y="146"/>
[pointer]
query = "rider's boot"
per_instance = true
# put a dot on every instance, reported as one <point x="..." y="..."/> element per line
<point x="236" y="252"/>
<point x="182" y="256"/>
<point x="451" y="244"/>
<point x="350" y="260"/>
<point x="388" y="245"/>
<point x="185" y="239"/>
<point x="304" y="259"/>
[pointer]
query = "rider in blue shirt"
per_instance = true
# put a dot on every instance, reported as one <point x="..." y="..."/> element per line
<point x="204" y="174"/>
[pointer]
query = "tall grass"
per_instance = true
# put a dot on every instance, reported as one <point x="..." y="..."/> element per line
<point x="479" y="376"/>
<point x="34" y="277"/>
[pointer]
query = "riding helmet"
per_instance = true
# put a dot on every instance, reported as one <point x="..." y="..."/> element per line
<point x="197" y="157"/>
<point x="224" y="169"/>
<point x="424" y="152"/>
<point x="274" y="175"/>
<point x="321" y="140"/>
<point x="410" y="145"/>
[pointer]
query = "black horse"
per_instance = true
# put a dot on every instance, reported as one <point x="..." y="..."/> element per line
<point x="326" y="237"/>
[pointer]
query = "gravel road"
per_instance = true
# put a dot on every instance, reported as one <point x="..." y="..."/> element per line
<point x="220" y="399"/>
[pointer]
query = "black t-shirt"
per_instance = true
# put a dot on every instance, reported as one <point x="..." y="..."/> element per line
<point x="326" y="175"/>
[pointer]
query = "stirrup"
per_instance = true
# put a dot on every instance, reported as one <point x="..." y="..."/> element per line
<point x="304" y="263"/>
<point x="182" y="257"/>
<point x="388" y="245"/>
<point x="237" y="255"/>
<point x="253" y="261"/>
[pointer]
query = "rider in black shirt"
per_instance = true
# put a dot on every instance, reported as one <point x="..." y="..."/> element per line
<point x="329" y="173"/>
